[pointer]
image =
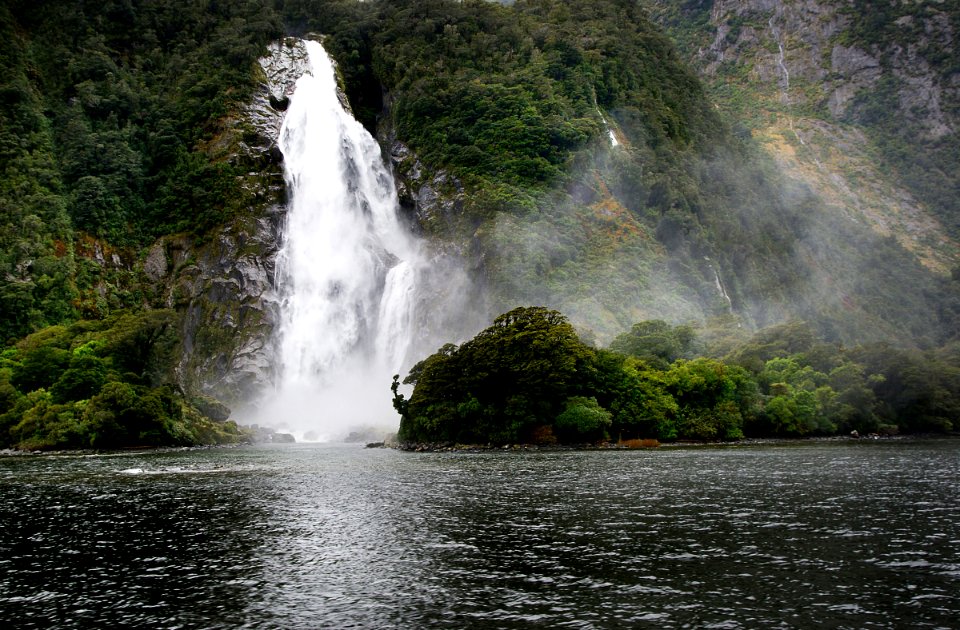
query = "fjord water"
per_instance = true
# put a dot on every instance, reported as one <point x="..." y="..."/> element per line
<point x="853" y="535"/>
<point x="347" y="271"/>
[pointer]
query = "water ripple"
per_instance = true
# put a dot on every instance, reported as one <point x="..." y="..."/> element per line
<point x="314" y="536"/>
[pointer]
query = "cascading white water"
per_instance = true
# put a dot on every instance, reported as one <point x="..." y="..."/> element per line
<point x="347" y="270"/>
<point x="613" y="138"/>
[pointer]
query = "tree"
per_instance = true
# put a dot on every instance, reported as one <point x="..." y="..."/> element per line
<point x="84" y="378"/>
<point x="636" y="395"/>
<point x="498" y="387"/>
<point x="583" y="420"/>
<point x="40" y="368"/>
<point x="712" y="398"/>
<point x="657" y="342"/>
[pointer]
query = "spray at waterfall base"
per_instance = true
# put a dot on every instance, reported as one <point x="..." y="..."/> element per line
<point x="352" y="279"/>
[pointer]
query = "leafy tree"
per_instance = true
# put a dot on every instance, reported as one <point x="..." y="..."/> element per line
<point x="84" y="378"/>
<point x="141" y="343"/>
<point x="40" y="368"/>
<point x="657" y="342"/>
<point x="712" y="397"/>
<point x="104" y="384"/>
<point x="512" y="377"/>
<point x="636" y="395"/>
<point x="583" y="420"/>
<point x="915" y="391"/>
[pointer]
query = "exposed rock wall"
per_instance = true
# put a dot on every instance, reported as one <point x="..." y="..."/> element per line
<point x="225" y="288"/>
<point x="809" y="72"/>
<point x="830" y="69"/>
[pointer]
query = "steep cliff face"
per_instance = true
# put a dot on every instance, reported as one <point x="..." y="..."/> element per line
<point x="857" y="100"/>
<point x="225" y="288"/>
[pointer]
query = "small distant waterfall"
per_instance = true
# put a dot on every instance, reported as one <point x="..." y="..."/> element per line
<point x="781" y="58"/>
<point x="347" y="271"/>
<point x="613" y="138"/>
<point x="721" y="291"/>
<point x="785" y="84"/>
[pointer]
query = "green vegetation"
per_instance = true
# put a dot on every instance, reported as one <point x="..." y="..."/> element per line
<point x="529" y="379"/>
<point x="508" y="94"/>
<point x="110" y="115"/>
<point x="101" y="384"/>
<point x="105" y="109"/>
<point x="116" y="128"/>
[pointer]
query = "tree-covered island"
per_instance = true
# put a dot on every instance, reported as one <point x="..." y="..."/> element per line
<point x="530" y="379"/>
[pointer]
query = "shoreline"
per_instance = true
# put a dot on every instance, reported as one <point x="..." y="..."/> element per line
<point x="432" y="447"/>
<point x="429" y="447"/>
<point x="118" y="452"/>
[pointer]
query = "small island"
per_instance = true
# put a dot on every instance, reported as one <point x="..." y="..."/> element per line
<point x="530" y="379"/>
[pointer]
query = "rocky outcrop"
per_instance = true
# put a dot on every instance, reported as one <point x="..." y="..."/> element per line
<point x="775" y="38"/>
<point x="856" y="70"/>
<point x="285" y="62"/>
<point x="225" y="291"/>
<point x="817" y="78"/>
<point x="434" y="198"/>
<point x="805" y="40"/>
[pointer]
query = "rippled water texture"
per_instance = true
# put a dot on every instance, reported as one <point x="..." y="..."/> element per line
<point x="844" y="535"/>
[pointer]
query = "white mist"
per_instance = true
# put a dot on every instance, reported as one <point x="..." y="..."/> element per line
<point x="347" y="270"/>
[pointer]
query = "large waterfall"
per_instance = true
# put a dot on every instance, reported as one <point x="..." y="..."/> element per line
<point x="347" y="271"/>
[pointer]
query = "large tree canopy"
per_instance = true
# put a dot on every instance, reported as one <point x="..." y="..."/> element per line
<point x="511" y="378"/>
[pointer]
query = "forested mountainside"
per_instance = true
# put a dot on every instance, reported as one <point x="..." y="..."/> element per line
<point x="567" y="152"/>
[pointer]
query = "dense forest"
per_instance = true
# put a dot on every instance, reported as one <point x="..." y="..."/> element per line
<point x="530" y="379"/>
<point x="118" y="121"/>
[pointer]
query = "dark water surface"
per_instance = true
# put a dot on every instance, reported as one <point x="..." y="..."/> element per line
<point x="846" y="534"/>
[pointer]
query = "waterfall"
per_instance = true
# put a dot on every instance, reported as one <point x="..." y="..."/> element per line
<point x="613" y="138"/>
<point x="785" y="85"/>
<point x="347" y="271"/>
<point x="718" y="283"/>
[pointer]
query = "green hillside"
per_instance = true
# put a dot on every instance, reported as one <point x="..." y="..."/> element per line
<point x="574" y="156"/>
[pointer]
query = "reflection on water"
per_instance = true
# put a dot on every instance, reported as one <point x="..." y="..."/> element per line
<point x="847" y="535"/>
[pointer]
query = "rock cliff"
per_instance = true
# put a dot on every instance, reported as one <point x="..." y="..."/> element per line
<point x="225" y="287"/>
<point x="826" y="86"/>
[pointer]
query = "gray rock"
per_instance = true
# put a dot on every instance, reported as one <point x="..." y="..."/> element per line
<point x="282" y="438"/>
<point x="285" y="62"/>
<point x="857" y="70"/>
<point x="155" y="265"/>
<point x="226" y="291"/>
<point x="211" y="408"/>
<point x="435" y="198"/>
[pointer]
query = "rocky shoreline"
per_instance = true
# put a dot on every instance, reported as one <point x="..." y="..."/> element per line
<point x="446" y="447"/>
<point x="435" y="447"/>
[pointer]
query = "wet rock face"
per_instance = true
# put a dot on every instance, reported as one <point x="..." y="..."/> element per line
<point x="225" y="288"/>
<point x="435" y="198"/>
<point x="285" y="62"/>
